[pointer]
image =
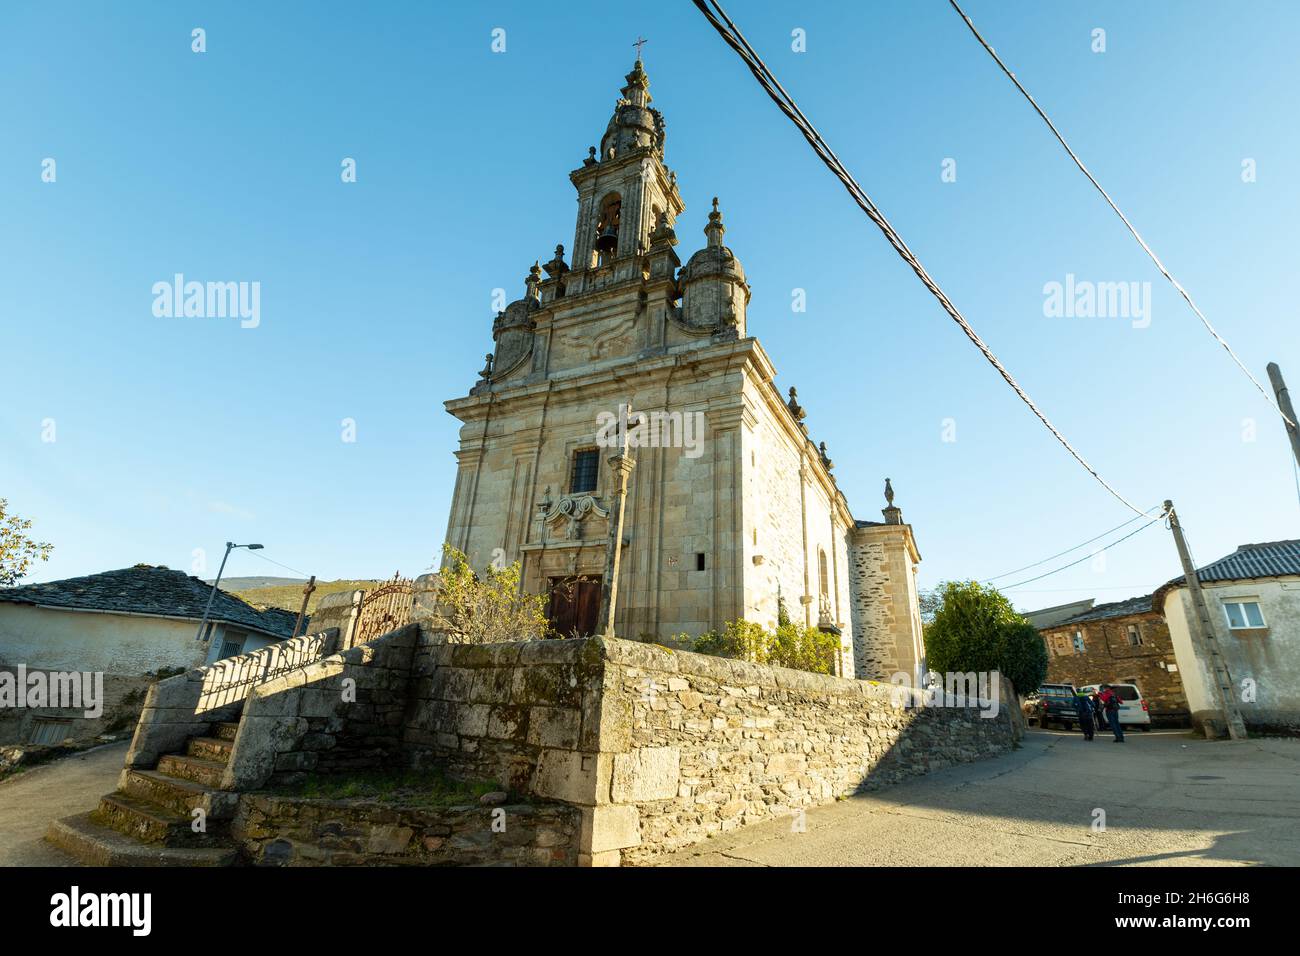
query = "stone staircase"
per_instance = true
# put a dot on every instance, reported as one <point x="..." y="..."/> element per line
<point x="148" y="820"/>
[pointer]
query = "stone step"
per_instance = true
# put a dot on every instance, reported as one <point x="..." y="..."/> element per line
<point x="225" y="731"/>
<point x="171" y="793"/>
<point x="206" y="773"/>
<point x="97" y="845"/>
<point x="150" y="823"/>
<point x="210" y="748"/>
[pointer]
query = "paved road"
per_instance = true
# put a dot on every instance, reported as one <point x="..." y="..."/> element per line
<point x="30" y="800"/>
<point x="1170" y="799"/>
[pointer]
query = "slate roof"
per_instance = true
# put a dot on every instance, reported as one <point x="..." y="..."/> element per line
<point x="1052" y="616"/>
<point x="1271" y="559"/>
<point x="1102" y="612"/>
<point x="145" y="589"/>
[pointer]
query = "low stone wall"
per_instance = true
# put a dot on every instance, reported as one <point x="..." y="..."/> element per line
<point x="290" y="831"/>
<point x="513" y="713"/>
<point x="342" y="713"/>
<point x="661" y="748"/>
<point x="714" y="744"/>
<point x="186" y="705"/>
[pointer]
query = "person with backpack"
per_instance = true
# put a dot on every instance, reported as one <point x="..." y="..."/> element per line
<point x="1110" y="705"/>
<point x="1083" y="707"/>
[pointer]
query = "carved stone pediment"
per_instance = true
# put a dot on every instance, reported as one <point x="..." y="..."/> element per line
<point x="572" y="509"/>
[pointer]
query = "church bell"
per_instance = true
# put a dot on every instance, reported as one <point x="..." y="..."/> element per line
<point x="608" y="240"/>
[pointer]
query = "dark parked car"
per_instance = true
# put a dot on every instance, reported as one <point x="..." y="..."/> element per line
<point x="1054" y="703"/>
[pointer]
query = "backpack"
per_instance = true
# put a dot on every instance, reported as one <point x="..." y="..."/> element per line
<point x="1112" y="701"/>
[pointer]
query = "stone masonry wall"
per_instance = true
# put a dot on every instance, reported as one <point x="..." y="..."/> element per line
<point x="513" y="713"/>
<point x="345" y="712"/>
<point x="289" y="831"/>
<point x="714" y="744"/>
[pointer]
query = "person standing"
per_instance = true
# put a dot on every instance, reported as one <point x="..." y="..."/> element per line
<point x="1083" y="707"/>
<point x="1110" y="704"/>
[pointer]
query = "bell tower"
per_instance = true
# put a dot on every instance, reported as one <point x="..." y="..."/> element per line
<point x="624" y="188"/>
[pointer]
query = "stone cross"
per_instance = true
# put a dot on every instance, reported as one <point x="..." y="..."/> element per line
<point x="621" y="465"/>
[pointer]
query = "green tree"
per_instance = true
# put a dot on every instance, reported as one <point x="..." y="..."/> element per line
<point x="976" y="629"/>
<point x="17" y="550"/>
<point x="487" y="609"/>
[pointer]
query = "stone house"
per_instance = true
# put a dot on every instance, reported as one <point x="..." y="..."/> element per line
<point x="1125" y="642"/>
<point x="1253" y="596"/>
<point x="127" y="625"/>
<point x="732" y="510"/>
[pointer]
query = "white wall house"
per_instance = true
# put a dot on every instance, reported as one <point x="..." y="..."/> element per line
<point x="1253" y="596"/>
<point x="126" y="625"/>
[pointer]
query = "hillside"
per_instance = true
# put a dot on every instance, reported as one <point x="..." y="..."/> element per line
<point x="258" y="581"/>
<point x="289" y="596"/>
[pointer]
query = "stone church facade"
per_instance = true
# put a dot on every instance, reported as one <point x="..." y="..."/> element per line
<point x="731" y="509"/>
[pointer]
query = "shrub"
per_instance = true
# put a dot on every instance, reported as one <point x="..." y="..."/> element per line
<point x="487" y="609"/>
<point x="789" y="645"/>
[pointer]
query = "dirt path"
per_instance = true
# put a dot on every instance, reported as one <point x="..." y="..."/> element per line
<point x="30" y="800"/>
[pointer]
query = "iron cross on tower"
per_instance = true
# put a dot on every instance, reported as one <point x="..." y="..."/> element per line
<point x="640" y="42"/>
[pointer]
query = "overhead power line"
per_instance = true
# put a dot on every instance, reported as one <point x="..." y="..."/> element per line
<point x="278" y="564"/>
<point x="1081" y="544"/>
<point x="733" y="37"/>
<point x="1105" y="195"/>
<point x="1048" y="574"/>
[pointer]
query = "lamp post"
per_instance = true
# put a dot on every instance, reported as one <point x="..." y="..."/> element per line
<point x="230" y="546"/>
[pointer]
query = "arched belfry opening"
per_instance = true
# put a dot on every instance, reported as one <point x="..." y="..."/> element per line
<point x="607" y="229"/>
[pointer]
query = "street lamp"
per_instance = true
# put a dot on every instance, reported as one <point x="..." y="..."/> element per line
<point x="230" y="546"/>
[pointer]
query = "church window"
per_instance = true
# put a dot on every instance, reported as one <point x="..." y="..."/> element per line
<point x="822" y="576"/>
<point x="699" y="561"/>
<point x="586" y="464"/>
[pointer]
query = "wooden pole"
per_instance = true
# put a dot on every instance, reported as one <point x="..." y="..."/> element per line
<point x="1284" y="403"/>
<point x="302" y="611"/>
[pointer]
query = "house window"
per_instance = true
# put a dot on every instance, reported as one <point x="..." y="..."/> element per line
<point x="1134" y="636"/>
<point x="47" y="731"/>
<point x="1243" y="614"/>
<point x="699" y="561"/>
<point x="232" y="645"/>
<point x="586" y="464"/>
<point x="1078" y="642"/>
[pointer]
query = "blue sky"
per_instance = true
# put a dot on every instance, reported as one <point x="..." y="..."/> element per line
<point x="175" y="434"/>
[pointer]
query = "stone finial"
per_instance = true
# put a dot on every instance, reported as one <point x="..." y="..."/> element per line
<point x="892" y="515"/>
<point x="591" y="157"/>
<point x="533" y="280"/>
<point x="663" y="231"/>
<point x="796" y="409"/>
<point x="486" y="374"/>
<point x="826" y="459"/>
<point x="715" y="228"/>
<point x="557" y="266"/>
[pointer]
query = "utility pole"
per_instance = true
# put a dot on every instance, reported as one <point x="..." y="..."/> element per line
<point x="1284" y="403"/>
<point x="1202" y="631"/>
<point x="302" y="611"/>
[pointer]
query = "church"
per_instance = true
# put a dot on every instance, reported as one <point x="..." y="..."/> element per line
<point x="731" y="510"/>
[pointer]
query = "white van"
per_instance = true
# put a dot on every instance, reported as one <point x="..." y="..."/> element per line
<point x="1132" y="707"/>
